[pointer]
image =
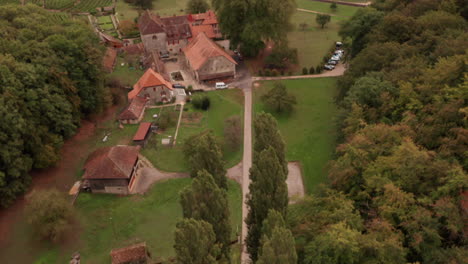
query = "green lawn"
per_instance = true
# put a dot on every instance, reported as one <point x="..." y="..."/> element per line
<point x="314" y="42"/>
<point x="109" y="221"/>
<point x="125" y="74"/>
<point x="309" y="131"/>
<point x="224" y="104"/>
<point x="162" y="7"/>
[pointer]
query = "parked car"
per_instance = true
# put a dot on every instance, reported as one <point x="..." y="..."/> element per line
<point x="221" y="85"/>
<point x="178" y="85"/>
<point x="165" y="55"/>
<point x="329" y="67"/>
<point x="335" y="58"/>
<point x="332" y="62"/>
<point x="338" y="44"/>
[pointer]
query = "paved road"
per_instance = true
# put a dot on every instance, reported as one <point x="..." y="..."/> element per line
<point x="245" y="83"/>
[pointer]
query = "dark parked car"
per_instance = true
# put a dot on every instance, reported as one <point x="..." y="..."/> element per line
<point x="178" y="85"/>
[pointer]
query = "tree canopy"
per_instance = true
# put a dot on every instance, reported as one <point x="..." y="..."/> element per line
<point x="197" y="6"/>
<point x="249" y="23"/>
<point x="278" y="98"/>
<point x="50" y="78"/>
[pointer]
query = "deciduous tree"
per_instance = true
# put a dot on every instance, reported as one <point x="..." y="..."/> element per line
<point x="203" y="152"/>
<point x="204" y="200"/>
<point x="197" y="6"/>
<point x="49" y="214"/>
<point x="322" y="19"/>
<point x="279" y="99"/>
<point x="194" y="242"/>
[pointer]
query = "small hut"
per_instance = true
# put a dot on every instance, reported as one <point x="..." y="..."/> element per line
<point x="143" y="134"/>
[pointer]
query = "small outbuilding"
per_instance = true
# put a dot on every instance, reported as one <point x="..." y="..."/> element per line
<point x="143" y="134"/>
<point x="134" y="254"/>
<point x="111" y="169"/>
<point x="134" y="112"/>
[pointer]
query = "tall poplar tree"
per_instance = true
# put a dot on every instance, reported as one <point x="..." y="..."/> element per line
<point x="194" y="242"/>
<point x="268" y="190"/>
<point x="204" y="200"/>
<point x="203" y="152"/>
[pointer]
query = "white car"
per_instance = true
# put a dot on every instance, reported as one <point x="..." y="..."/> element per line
<point x="329" y="67"/>
<point x="335" y="58"/>
<point x="221" y="85"/>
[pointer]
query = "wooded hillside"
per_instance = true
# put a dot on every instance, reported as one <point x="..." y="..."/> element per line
<point x="399" y="188"/>
<point x="50" y="78"/>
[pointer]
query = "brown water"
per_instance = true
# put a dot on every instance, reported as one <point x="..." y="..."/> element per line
<point x="61" y="177"/>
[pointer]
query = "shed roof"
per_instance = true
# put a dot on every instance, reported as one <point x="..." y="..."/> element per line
<point x="129" y="254"/>
<point x="201" y="48"/>
<point x="149" y="79"/>
<point x="134" y="109"/>
<point x="143" y="130"/>
<point x="111" y="162"/>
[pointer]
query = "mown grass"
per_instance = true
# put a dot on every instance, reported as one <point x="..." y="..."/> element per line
<point x="126" y="75"/>
<point x="109" y="221"/>
<point x="341" y="12"/>
<point x="309" y="131"/>
<point x="224" y="104"/>
<point x="162" y="7"/>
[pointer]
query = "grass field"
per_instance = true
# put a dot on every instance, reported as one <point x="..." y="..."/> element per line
<point x="223" y="105"/>
<point x="309" y="131"/>
<point x="127" y="76"/>
<point x="109" y="221"/>
<point x="162" y="7"/>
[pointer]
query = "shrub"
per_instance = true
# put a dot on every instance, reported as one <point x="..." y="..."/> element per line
<point x="274" y="72"/>
<point x="201" y="102"/>
<point x="282" y="72"/>
<point x="290" y="73"/>
<point x="325" y="59"/>
<point x="312" y="70"/>
<point x="333" y="6"/>
<point x="190" y="88"/>
<point x="50" y="214"/>
<point x="304" y="71"/>
<point x="260" y="72"/>
<point x="167" y="119"/>
<point x="267" y="72"/>
<point x="233" y="132"/>
<point x="318" y="69"/>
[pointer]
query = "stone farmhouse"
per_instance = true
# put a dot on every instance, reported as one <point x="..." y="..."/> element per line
<point x="111" y="169"/>
<point x="153" y="87"/>
<point x="134" y="112"/>
<point x="207" y="60"/>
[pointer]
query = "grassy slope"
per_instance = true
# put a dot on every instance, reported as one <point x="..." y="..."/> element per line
<point x="223" y="105"/>
<point x="110" y="222"/>
<point x="162" y="7"/>
<point x="342" y="11"/>
<point x="309" y="131"/>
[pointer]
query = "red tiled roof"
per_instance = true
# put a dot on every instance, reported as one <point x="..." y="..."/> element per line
<point x="149" y="23"/>
<point x="209" y="17"/>
<point x="134" y="49"/>
<point x="142" y="131"/>
<point x="149" y="79"/>
<point x="207" y="29"/>
<point x="176" y="27"/>
<point x="110" y="40"/>
<point x="201" y="48"/>
<point x="133" y="253"/>
<point x="134" y="109"/>
<point x="111" y="163"/>
<point x="108" y="60"/>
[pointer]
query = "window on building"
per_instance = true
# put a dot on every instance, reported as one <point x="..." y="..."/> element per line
<point x="154" y="37"/>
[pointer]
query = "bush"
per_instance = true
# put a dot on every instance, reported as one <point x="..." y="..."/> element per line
<point x="274" y="72"/>
<point x="290" y="73"/>
<point x="49" y="214"/>
<point x="167" y="119"/>
<point x="333" y="6"/>
<point x="260" y="72"/>
<point x="233" y="132"/>
<point x="318" y="69"/>
<point x="304" y="71"/>
<point x="312" y="70"/>
<point x="282" y="72"/>
<point x="267" y="72"/>
<point x="190" y="88"/>
<point x="201" y="102"/>
<point x="325" y="59"/>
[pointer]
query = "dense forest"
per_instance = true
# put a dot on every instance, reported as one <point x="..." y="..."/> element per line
<point x="398" y="189"/>
<point x="50" y="78"/>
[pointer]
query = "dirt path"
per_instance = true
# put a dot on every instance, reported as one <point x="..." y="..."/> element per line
<point x="358" y="4"/>
<point x="62" y="176"/>
<point x="338" y="71"/>
<point x="295" y="182"/>
<point x="178" y="124"/>
<point x="314" y="12"/>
